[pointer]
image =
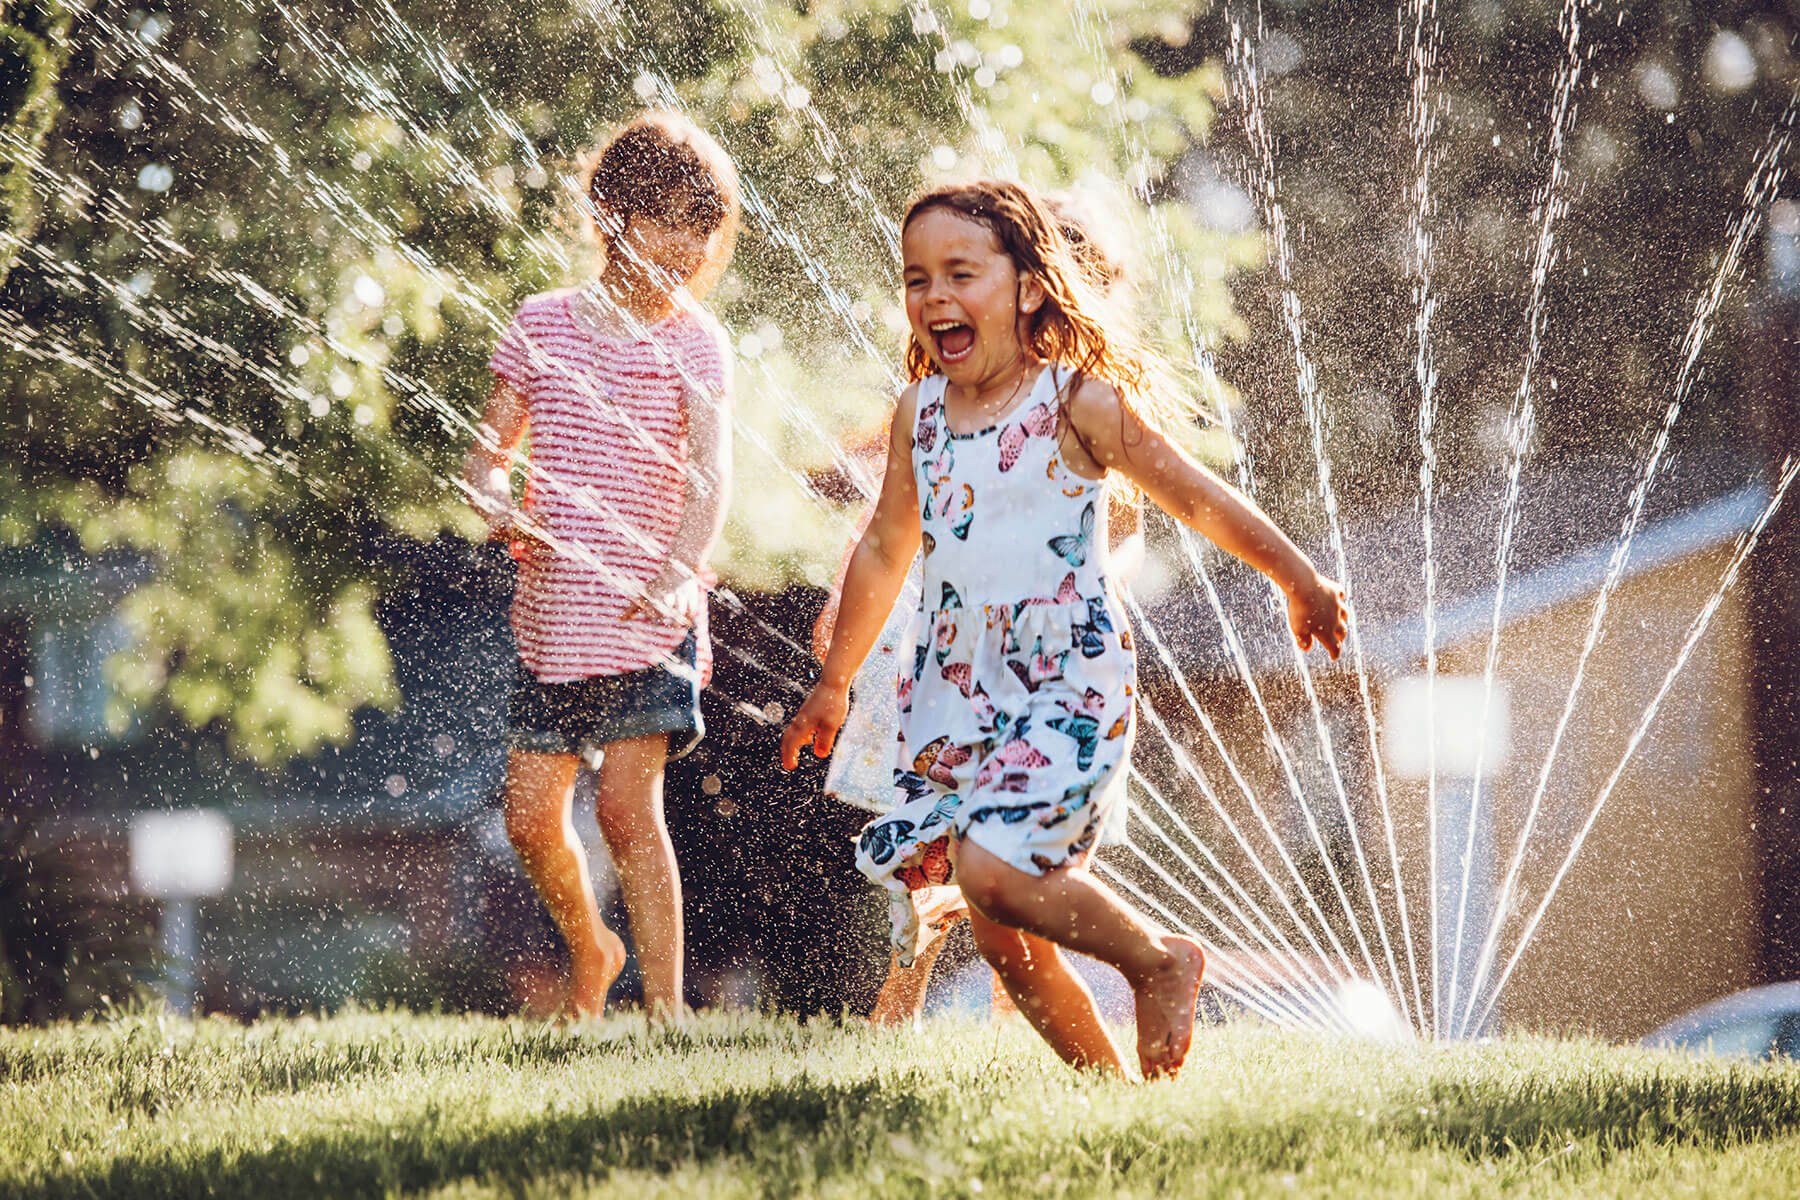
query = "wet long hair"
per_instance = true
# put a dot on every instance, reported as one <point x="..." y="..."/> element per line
<point x="664" y="167"/>
<point x="1076" y="326"/>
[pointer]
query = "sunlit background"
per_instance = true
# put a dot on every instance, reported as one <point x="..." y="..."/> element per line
<point x="1494" y="304"/>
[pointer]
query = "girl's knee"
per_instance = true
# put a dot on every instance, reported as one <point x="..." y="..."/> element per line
<point x="627" y="827"/>
<point x="1004" y="948"/>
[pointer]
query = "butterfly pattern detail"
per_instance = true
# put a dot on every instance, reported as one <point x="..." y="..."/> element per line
<point x="1072" y="548"/>
<point x="1084" y="731"/>
<point x="938" y="761"/>
<point x="1087" y="633"/>
<point x="1039" y="422"/>
<point x="1038" y="668"/>
<point x="1017" y="713"/>
<point x="959" y="511"/>
<point x="925" y="431"/>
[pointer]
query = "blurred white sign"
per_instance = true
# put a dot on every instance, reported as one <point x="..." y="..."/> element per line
<point x="1408" y="726"/>
<point x="182" y="853"/>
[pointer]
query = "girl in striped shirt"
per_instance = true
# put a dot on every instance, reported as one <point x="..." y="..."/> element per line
<point x="624" y="389"/>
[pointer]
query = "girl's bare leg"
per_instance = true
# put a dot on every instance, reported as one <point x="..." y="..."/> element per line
<point x="1069" y="907"/>
<point x="902" y="995"/>
<point x="1000" y="1005"/>
<point x="539" y="788"/>
<point x="630" y="811"/>
<point x="1050" y="995"/>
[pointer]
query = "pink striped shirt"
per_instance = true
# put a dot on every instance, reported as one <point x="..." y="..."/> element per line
<point x="609" y="455"/>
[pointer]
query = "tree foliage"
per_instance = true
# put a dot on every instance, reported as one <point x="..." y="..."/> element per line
<point x="31" y="53"/>
<point x="1670" y="105"/>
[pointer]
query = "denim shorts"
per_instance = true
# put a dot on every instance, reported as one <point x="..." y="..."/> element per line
<point x="583" y="715"/>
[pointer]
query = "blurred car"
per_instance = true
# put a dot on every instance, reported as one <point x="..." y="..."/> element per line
<point x="1759" y="1022"/>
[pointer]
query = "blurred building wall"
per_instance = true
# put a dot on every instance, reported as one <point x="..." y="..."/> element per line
<point x="1660" y="911"/>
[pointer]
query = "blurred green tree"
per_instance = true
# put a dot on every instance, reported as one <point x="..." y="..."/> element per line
<point x="32" y="47"/>
<point x="1670" y="105"/>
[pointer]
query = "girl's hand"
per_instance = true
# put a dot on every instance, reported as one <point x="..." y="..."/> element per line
<point x="493" y="500"/>
<point x="1318" y="612"/>
<point x="677" y="604"/>
<point x="818" y="722"/>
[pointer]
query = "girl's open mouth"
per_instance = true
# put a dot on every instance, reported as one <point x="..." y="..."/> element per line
<point x="955" y="340"/>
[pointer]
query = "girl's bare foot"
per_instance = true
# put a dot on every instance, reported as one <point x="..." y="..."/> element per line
<point x="664" y="1013"/>
<point x="591" y="977"/>
<point x="1165" y="1007"/>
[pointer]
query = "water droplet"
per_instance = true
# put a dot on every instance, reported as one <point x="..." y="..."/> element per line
<point x="361" y="161"/>
<point x="712" y="785"/>
<point x="318" y="405"/>
<point x="750" y="346"/>
<point x="396" y="786"/>
<point x="1656" y="84"/>
<point x="155" y="177"/>
<point x="299" y="356"/>
<point x="1729" y="65"/>
<point x="1101" y="93"/>
<point x="644" y="85"/>
<point x="364" y="415"/>
<point x="943" y="158"/>
<point x="984" y="77"/>
<point x="797" y="96"/>
<point x="369" y="291"/>
<point x="131" y="115"/>
<point x="443" y="743"/>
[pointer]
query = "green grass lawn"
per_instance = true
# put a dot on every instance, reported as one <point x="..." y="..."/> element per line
<point x="739" y="1105"/>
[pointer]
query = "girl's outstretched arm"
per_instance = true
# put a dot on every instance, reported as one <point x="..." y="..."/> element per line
<point x="487" y="473"/>
<point x="873" y="580"/>
<point x="1114" y="437"/>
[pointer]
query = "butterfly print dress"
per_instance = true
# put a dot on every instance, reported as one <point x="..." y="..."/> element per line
<point x="1016" y="709"/>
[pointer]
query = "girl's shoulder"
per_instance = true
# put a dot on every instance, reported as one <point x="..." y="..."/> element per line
<point x="1086" y="397"/>
<point x="906" y="414"/>
<point x="703" y="329"/>
<point x="544" y="309"/>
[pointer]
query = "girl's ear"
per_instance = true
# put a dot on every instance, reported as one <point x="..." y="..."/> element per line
<point x="1031" y="293"/>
